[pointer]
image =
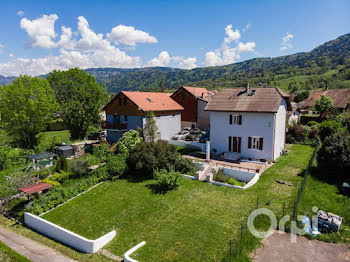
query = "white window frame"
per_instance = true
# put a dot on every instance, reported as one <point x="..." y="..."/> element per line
<point x="235" y="119"/>
<point x="255" y="143"/>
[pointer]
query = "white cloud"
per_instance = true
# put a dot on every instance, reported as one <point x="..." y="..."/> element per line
<point x="41" y="31"/>
<point x="227" y="54"/>
<point x="246" y="28"/>
<point x="1" y="48"/>
<point x="185" y="63"/>
<point x="232" y="35"/>
<point x="128" y="35"/>
<point x="286" y="42"/>
<point x="163" y="59"/>
<point x="20" y="13"/>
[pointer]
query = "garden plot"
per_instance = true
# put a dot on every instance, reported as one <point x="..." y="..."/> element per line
<point x="193" y="223"/>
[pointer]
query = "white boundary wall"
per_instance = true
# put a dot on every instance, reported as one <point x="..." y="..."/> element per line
<point x="65" y="236"/>
<point x="127" y="255"/>
<point x="194" y="145"/>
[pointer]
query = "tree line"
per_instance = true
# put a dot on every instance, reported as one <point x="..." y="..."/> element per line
<point x="29" y="103"/>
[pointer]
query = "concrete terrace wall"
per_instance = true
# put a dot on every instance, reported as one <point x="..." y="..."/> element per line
<point x="65" y="236"/>
<point x="194" y="145"/>
<point x="238" y="174"/>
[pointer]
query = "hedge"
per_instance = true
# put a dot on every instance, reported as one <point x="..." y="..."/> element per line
<point x="304" y="119"/>
<point x="56" y="125"/>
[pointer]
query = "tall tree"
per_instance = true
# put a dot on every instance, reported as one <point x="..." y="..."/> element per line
<point x="26" y="106"/>
<point x="80" y="98"/>
<point x="150" y="128"/>
<point x="324" y="104"/>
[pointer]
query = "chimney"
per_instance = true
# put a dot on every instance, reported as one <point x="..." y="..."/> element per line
<point x="247" y="88"/>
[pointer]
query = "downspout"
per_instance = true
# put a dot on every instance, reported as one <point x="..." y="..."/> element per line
<point x="274" y="134"/>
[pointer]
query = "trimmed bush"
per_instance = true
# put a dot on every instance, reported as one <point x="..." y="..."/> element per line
<point x="51" y="182"/>
<point x="56" y="125"/>
<point x="312" y="123"/>
<point x="167" y="180"/>
<point x="304" y="119"/>
<point x="61" y="164"/>
<point x="116" y="166"/>
<point x="59" y="177"/>
<point x="79" y="167"/>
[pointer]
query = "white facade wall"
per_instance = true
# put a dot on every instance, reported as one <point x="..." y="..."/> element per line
<point x="253" y="124"/>
<point x="167" y="125"/>
<point x="65" y="236"/>
<point x="280" y="129"/>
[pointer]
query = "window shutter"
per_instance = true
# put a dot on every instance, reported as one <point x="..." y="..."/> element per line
<point x="230" y="119"/>
<point x="229" y="143"/>
<point x="249" y="142"/>
<point x="261" y="141"/>
<point x="239" y="145"/>
<point x="240" y="119"/>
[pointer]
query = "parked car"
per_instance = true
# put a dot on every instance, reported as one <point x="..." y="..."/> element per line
<point x="181" y="135"/>
<point x="194" y="135"/>
<point x="204" y="138"/>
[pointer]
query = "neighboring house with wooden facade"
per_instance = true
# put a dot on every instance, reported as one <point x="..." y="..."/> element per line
<point x="248" y="123"/>
<point x="193" y="100"/>
<point x="340" y="98"/>
<point x="128" y="110"/>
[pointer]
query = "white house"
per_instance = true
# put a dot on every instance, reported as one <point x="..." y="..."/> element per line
<point x="128" y="110"/>
<point x="248" y="122"/>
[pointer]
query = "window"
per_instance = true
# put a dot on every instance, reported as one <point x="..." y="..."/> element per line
<point x="124" y="102"/>
<point x="234" y="144"/>
<point x="255" y="143"/>
<point x="236" y="119"/>
<point x="120" y="101"/>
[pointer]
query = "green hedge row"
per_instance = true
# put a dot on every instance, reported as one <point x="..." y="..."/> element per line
<point x="56" y="125"/>
<point x="304" y="119"/>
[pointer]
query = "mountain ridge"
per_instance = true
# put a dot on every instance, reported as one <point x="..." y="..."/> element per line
<point x="326" y="65"/>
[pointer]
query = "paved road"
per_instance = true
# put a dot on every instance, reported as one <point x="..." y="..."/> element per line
<point x="278" y="247"/>
<point x="29" y="248"/>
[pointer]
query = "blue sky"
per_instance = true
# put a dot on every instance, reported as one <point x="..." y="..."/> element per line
<point x="185" y="34"/>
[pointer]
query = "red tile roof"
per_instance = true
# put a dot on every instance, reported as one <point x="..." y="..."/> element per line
<point x="153" y="101"/>
<point x="340" y="97"/>
<point x="34" y="188"/>
<point x="264" y="99"/>
<point x="199" y="92"/>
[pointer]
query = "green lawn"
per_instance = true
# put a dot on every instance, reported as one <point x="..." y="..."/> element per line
<point x="193" y="223"/>
<point x="8" y="255"/>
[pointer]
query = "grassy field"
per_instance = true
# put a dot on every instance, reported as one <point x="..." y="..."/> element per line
<point x="320" y="192"/>
<point x="193" y="223"/>
<point x="8" y="255"/>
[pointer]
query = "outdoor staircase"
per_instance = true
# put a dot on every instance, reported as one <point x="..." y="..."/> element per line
<point x="205" y="173"/>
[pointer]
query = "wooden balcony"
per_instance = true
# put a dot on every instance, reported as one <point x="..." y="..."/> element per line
<point x="116" y="126"/>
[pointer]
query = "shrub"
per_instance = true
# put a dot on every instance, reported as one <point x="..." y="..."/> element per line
<point x="329" y="127"/>
<point x="43" y="173"/>
<point x="221" y="177"/>
<point x="59" y="177"/>
<point x="116" y="166"/>
<point x="149" y="156"/>
<point x="61" y="164"/>
<point x="304" y="119"/>
<point x="185" y="166"/>
<point x="334" y="154"/>
<point x="167" y="180"/>
<point x="298" y="132"/>
<point x="79" y="167"/>
<point x="51" y="182"/>
<point x="128" y="142"/>
<point x="100" y="173"/>
<point x="312" y="123"/>
<point x="102" y="151"/>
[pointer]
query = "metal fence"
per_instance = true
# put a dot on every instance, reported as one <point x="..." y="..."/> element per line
<point x="306" y="173"/>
